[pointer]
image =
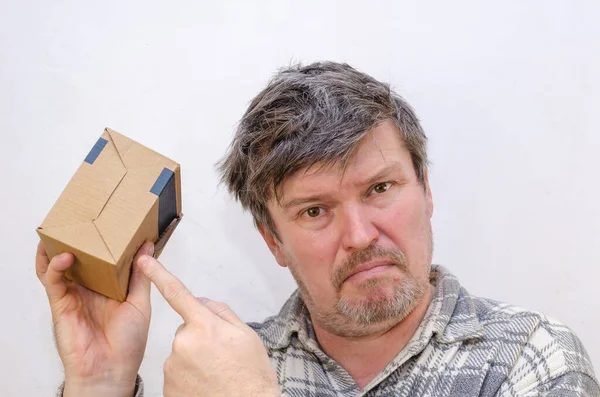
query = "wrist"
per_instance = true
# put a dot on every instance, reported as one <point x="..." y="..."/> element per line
<point x="93" y="387"/>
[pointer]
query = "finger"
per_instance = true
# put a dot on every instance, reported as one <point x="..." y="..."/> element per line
<point x="41" y="261"/>
<point x="139" y="285"/>
<point x="221" y="309"/>
<point x="174" y="291"/>
<point x="54" y="279"/>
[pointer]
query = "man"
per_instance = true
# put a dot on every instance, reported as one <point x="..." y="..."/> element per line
<point x="332" y="165"/>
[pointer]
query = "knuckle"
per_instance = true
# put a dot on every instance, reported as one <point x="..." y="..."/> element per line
<point x="172" y="290"/>
<point x="183" y="342"/>
<point x="179" y="329"/>
<point x="219" y="307"/>
<point x="178" y="344"/>
<point x="168" y="366"/>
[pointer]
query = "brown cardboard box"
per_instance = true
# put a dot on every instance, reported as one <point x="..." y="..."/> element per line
<point x="122" y="195"/>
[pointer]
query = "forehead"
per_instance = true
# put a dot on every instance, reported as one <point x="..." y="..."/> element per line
<point x="379" y="148"/>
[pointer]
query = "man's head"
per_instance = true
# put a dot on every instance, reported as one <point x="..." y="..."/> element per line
<point x="332" y="165"/>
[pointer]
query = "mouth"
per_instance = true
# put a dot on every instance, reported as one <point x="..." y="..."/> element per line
<point x="370" y="270"/>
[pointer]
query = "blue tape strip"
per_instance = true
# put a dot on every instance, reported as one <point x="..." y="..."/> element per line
<point x="161" y="181"/>
<point x="96" y="150"/>
<point x="165" y="189"/>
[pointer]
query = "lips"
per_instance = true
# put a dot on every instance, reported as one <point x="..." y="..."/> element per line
<point x="370" y="268"/>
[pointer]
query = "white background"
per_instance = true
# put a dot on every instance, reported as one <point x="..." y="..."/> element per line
<point x="508" y="92"/>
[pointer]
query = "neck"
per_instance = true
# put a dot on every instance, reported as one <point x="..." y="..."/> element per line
<point x="365" y="357"/>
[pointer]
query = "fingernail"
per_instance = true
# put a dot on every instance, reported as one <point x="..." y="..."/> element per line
<point x="151" y="250"/>
<point x="203" y="299"/>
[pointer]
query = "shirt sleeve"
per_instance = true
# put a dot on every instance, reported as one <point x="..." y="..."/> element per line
<point x="571" y="384"/>
<point x="138" y="392"/>
<point x="552" y="363"/>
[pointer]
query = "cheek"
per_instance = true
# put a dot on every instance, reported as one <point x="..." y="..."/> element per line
<point x="407" y="226"/>
<point x="313" y="256"/>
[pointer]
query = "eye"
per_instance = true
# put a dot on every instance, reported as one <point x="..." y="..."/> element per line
<point x="313" y="212"/>
<point x="381" y="187"/>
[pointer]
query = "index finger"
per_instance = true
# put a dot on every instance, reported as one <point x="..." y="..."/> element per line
<point x="174" y="291"/>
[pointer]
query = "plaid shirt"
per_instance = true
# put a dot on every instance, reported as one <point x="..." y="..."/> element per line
<point x="465" y="346"/>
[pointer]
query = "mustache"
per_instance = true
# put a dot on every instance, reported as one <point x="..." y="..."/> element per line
<point x="396" y="256"/>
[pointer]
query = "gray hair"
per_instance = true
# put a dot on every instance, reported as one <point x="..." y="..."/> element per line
<point x="309" y="115"/>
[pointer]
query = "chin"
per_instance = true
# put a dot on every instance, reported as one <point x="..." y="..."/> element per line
<point x="378" y="302"/>
<point x="373" y="289"/>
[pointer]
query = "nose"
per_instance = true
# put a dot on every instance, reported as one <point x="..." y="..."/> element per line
<point x="359" y="231"/>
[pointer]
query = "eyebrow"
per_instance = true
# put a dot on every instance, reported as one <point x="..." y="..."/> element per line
<point x="382" y="174"/>
<point x="302" y="200"/>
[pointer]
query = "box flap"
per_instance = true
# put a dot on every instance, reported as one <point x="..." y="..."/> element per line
<point x="127" y="208"/>
<point x="71" y="219"/>
<point x="81" y="235"/>
<point x="135" y="155"/>
<point x="90" y="188"/>
<point x="109" y="197"/>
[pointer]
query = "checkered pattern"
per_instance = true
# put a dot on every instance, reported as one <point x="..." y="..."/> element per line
<point x="465" y="346"/>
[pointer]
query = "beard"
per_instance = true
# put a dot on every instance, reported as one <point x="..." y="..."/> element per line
<point x="377" y="309"/>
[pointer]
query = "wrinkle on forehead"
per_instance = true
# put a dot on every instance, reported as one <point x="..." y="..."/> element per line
<point x="371" y="142"/>
<point x="311" y="181"/>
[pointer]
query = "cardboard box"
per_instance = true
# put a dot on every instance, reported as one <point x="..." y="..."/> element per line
<point x="122" y="195"/>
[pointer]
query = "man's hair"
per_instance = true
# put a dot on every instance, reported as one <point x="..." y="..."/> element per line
<point x="311" y="115"/>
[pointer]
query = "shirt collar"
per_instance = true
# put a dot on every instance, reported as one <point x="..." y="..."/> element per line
<point x="451" y="317"/>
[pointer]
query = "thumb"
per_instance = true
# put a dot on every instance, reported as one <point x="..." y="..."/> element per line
<point x="54" y="279"/>
<point x="139" y="285"/>
<point x="222" y="310"/>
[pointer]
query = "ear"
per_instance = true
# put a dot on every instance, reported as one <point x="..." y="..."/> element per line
<point x="273" y="243"/>
<point x="428" y="196"/>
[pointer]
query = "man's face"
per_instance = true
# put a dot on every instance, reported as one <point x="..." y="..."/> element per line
<point x="358" y="241"/>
